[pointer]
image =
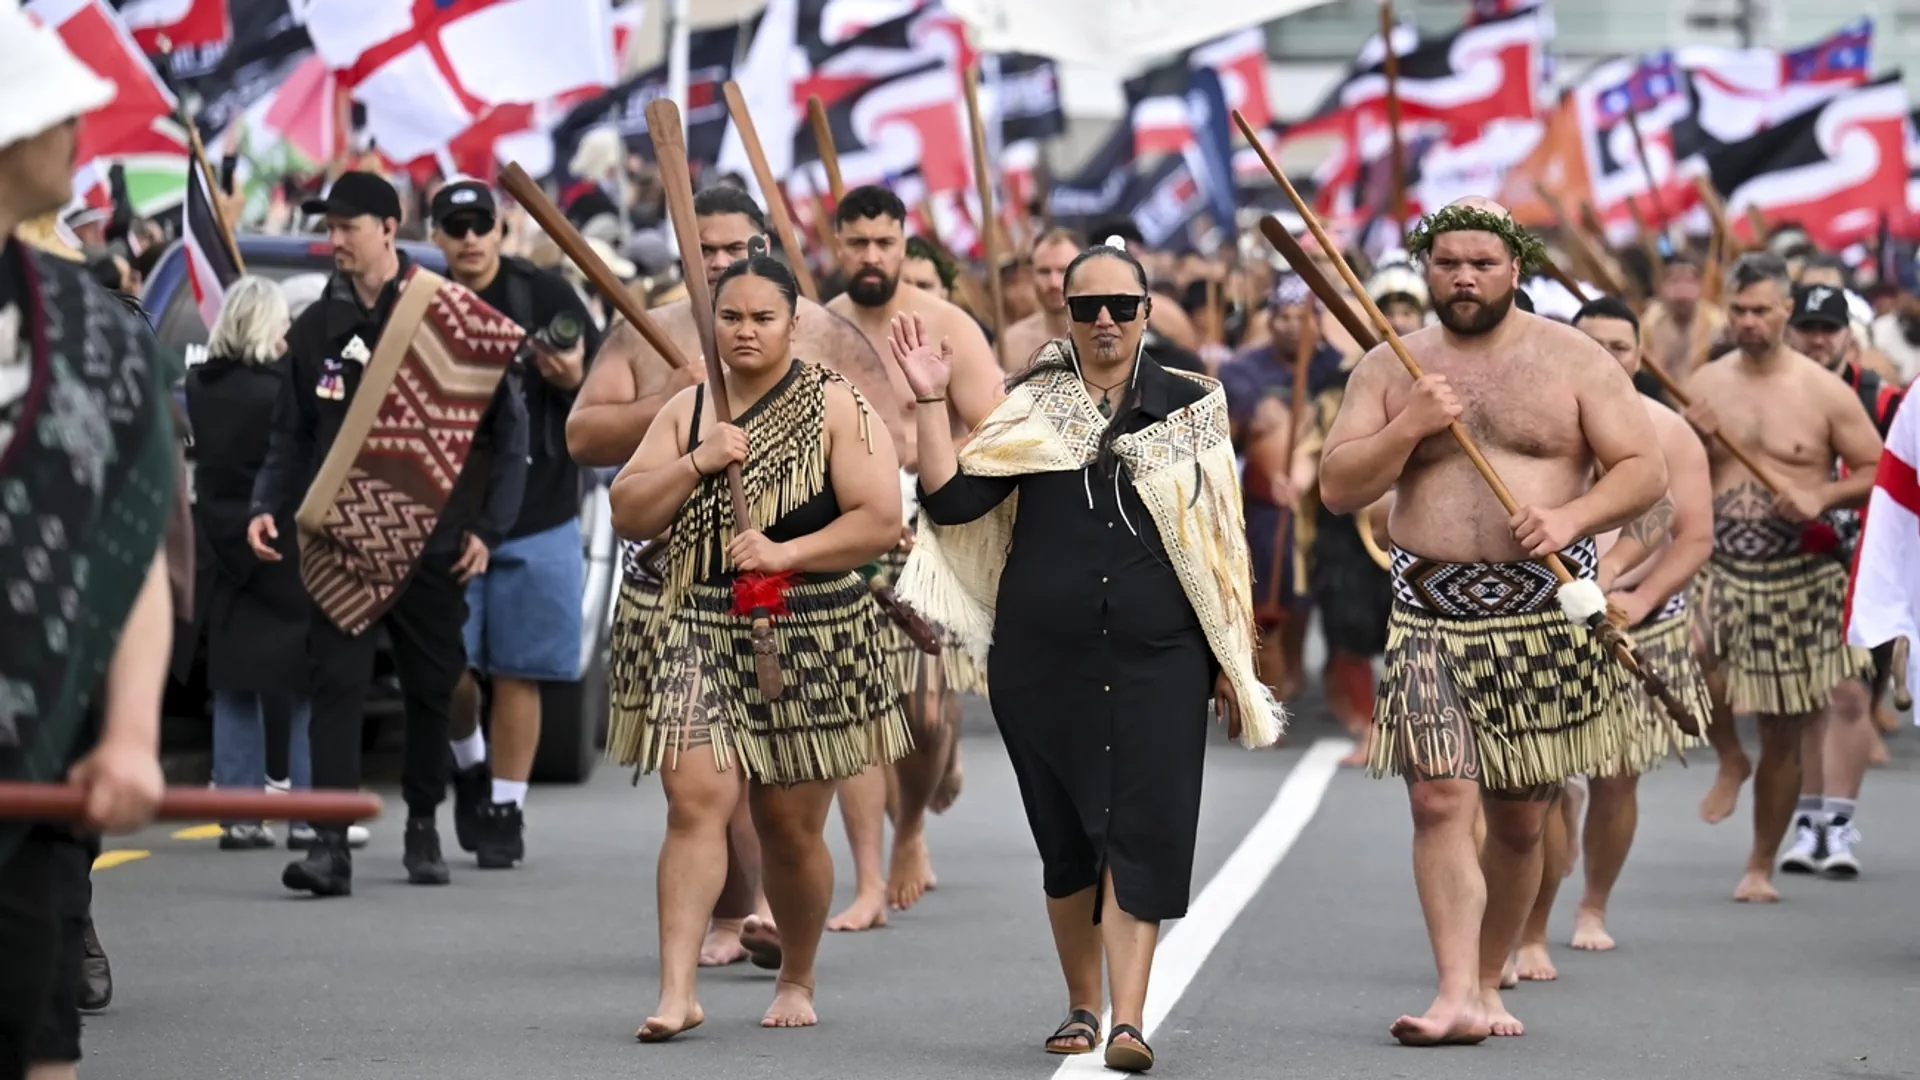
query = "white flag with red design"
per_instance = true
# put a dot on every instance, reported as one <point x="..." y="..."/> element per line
<point x="1886" y="577"/>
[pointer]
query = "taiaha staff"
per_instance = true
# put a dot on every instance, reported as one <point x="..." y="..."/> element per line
<point x="1610" y="636"/>
<point x="983" y="183"/>
<point x="670" y="150"/>
<point x="68" y="802"/>
<point x="515" y="182"/>
<point x="1583" y="245"/>
<point x="776" y="199"/>
<point x="1766" y="479"/>
<point x="1397" y="150"/>
<point x="823" y="142"/>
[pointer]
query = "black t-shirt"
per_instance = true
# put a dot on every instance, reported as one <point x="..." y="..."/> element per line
<point x="532" y="297"/>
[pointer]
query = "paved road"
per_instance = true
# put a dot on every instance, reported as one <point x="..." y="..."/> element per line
<point x="544" y="972"/>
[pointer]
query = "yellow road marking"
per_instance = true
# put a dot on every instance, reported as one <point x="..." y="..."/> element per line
<point x="110" y="859"/>
<point x="198" y="832"/>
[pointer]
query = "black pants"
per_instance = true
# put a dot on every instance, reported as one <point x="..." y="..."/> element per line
<point x="424" y="626"/>
<point x="46" y="889"/>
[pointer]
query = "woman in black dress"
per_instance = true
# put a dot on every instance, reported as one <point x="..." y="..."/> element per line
<point x="1102" y="495"/>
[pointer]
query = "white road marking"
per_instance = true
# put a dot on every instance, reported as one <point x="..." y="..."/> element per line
<point x="1185" y="948"/>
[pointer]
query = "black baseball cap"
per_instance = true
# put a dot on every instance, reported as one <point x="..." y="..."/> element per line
<point x="462" y="196"/>
<point x="356" y="193"/>
<point x="1818" y="305"/>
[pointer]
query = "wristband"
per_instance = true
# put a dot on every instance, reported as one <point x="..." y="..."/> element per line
<point x="931" y="400"/>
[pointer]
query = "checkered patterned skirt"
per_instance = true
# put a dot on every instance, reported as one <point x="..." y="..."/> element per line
<point x="840" y="713"/>
<point x="628" y="661"/>
<point x="1664" y="643"/>
<point x="1486" y="647"/>
<point x="1776" y="630"/>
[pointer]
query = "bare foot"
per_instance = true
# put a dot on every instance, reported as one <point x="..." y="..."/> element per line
<point x="1499" y="1019"/>
<point x="1756" y="887"/>
<point x="722" y="946"/>
<point x="761" y="939"/>
<point x="911" y="871"/>
<point x="792" y="1007"/>
<point x="1590" y="930"/>
<point x="947" y="792"/>
<point x="1877" y="753"/>
<point x="1724" y="795"/>
<point x="1357" y="759"/>
<point x="1445" y="1024"/>
<point x="1510" y="975"/>
<point x="865" y="913"/>
<point x="1533" y="964"/>
<point x="670" y="1021"/>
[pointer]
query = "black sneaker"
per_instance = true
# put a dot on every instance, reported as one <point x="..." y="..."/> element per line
<point x="96" y="974"/>
<point x="502" y="837"/>
<point x="472" y="792"/>
<point x="422" y="859"/>
<point x="326" y="871"/>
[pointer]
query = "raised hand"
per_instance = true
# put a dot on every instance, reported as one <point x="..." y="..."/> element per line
<point x="926" y="366"/>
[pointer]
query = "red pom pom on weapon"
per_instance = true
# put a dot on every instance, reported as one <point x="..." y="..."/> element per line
<point x="1819" y="539"/>
<point x="761" y="594"/>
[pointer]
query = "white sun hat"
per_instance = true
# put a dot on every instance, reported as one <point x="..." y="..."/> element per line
<point x="42" y="84"/>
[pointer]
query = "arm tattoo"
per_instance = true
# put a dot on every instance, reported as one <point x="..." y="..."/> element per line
<point x="1652" y="528"/>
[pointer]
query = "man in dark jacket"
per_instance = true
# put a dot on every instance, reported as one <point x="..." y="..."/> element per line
<point x="425" y="619"/>
<point x="523" y="614"/>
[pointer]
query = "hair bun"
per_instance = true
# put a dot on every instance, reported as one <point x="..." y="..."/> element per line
<point x="756" y="246"/>
<point x="1117" y="243"/>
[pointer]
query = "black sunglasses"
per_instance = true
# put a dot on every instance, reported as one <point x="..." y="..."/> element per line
<point x="1086" y="309"/>
<point x="459" y="227"/>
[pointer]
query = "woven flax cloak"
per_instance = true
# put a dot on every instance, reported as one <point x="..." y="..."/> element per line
<point x="1182" y="468"/>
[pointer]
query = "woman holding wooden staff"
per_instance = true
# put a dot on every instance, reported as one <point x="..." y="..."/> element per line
<point x="824" y="482"/>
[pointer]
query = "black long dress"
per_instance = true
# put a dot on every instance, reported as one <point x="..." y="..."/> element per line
<point x="1099" y="674"/>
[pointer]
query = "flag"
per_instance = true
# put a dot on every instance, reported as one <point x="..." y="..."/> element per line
<point x="1480" y="73"/>
<point x="1157" y="109"/>
<point x="709" y="65"/>
<point x="1211" y="155"/>
<point x="1737" y="93"/>
<point x="1097" y="189"/>
<point x="1241" y="61"/>
<point x="194" y="32"/>
<point x="1557" y="163"/>
<point x="1830" y="170"/>
<point x="1885" y="599"/>
<point x="98" y="40"/>
<point x="1020" y="95"/>
<point x="210" y="266"/>
<point x="1097" y="32"/>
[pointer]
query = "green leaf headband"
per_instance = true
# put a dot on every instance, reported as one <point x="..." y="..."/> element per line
<point x="1524" y="245"/>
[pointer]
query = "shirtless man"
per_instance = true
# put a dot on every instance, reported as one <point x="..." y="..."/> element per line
<point x="1646" y="573"/>
<point x="618" y="402"/>
<point x="1545" y="405"/>
<point x="1775" y="590"/>
<point x="1051" y="254"/>
<point x="870" y="223"/>
<point x="1680" y="325"/>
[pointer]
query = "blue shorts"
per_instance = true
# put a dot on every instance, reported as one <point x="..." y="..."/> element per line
<point x="523" y="618"/>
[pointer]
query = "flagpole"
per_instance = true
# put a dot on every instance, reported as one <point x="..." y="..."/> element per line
<point x="984" y="183"/>
<point x="1398" y="162"/>
<point x="198" y="155"/>
<point x="679" y="43"/>
<point x="1646" y="166"/>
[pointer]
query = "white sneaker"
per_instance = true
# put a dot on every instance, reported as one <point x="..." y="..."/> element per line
<point x="1808" y="849"/>
<point x="1840" y="860"/>
<point x="358" y="836"/>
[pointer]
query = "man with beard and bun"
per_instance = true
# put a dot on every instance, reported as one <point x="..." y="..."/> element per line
<point x="870" y="223"/>
<point x="1839" y="743"/>
<point x="1051" y="254"/>
<point x="625" y="389"/>
<point x="1546" y="406"/>
<point x="1646" y="573"/>
<point x="1775" y="591"/>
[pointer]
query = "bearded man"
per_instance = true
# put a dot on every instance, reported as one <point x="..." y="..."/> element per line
<point x="1546" y="406"/>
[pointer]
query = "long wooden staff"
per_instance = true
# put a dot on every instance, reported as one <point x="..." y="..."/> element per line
<point x="1397" y="150"/>
<point x="1646" y="166"/>
<point x="983" y="183"/>
<point x="1767" y="479"/>
<point x="213" y="196"/>
<point x="67" y="802"/>
<point x="514" y="181"/>
<point x="776" y="201"/>
<point x="823" y="142"/>
<point x="670" y="150"/>
<point x="1610" y="636"/>
<point x="1584" y="247"/>
<point x="1296" y="256"/>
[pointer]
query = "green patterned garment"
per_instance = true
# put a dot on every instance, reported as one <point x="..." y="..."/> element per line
<point x="86" y="483"/>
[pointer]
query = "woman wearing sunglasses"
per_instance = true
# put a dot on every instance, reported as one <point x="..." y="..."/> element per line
<point x="1092" y="532"/>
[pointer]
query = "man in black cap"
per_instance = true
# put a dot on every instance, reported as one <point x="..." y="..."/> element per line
<point x="523" y="613"/>
<point x="327" y="352"/>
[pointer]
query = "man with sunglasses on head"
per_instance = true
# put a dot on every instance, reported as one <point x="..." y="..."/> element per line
<point x="870" y="223"/>
<point x="523" y="609"/>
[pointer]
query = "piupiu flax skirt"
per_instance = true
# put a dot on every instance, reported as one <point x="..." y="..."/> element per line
<point x="909" y="665"/>
<point x="1775" y="631"/>
<point x="629" y="665"/>
<point x="1486" y="680"/>
<point x="841" y="712"/>
<point x="1664" y="643"/>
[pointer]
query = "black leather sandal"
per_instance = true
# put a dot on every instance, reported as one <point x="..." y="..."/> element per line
<point x="1079" y="1024"/>
<point x="1134" y="1057"/>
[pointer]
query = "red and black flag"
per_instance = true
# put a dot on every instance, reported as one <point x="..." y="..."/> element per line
<point x="209" y="262"/>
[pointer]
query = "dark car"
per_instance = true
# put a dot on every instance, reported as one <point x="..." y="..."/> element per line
<point x="573" y="714"/>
